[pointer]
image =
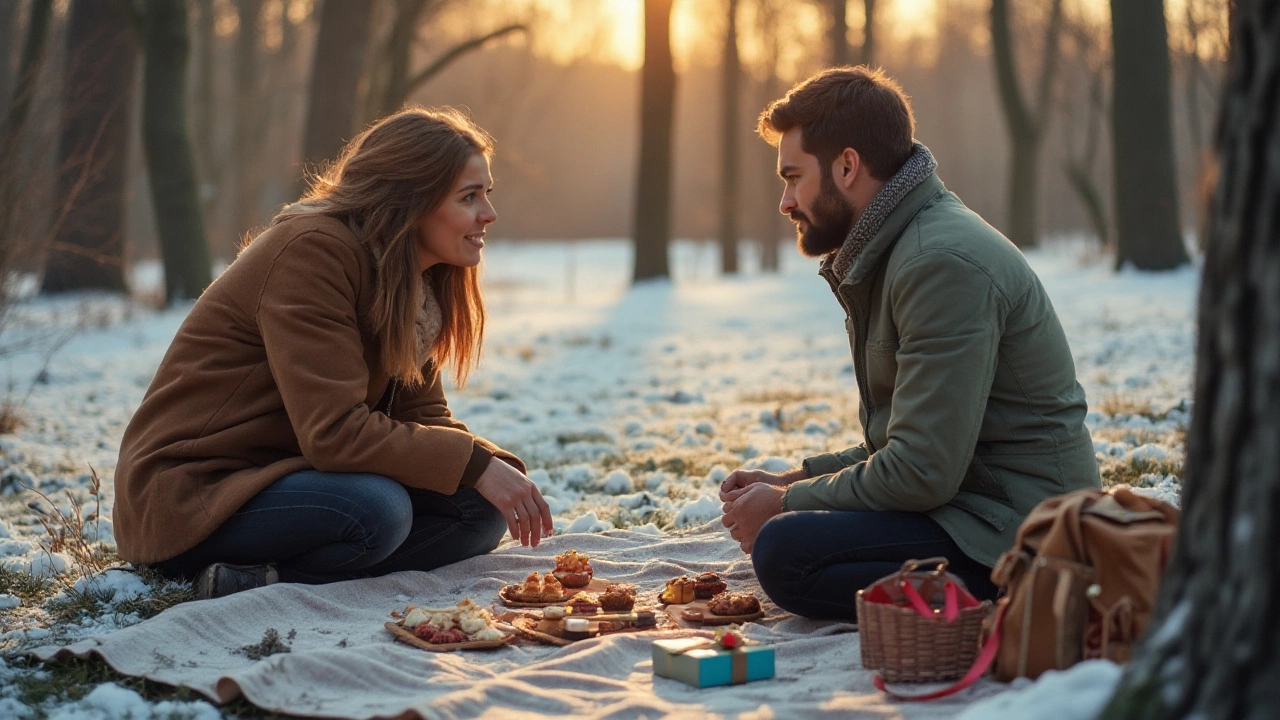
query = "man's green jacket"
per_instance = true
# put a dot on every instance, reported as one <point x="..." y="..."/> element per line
<point x="970" y="406"/>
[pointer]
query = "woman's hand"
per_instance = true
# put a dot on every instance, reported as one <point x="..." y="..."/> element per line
<point x="748" y="509"/>
<point x="517" y="498"/>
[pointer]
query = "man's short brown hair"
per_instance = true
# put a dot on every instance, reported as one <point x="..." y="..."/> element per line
<point x="854" y="107"/>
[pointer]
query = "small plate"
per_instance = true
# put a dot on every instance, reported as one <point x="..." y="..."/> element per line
<point x="546" y="632"/>
<point x="596" y="585"/>
<point x="406" y="636"/>
<point x="677" y="613"/>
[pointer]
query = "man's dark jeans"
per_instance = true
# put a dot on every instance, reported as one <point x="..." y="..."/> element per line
<point x="813" y="563"/>
<point x="322" y="527"/>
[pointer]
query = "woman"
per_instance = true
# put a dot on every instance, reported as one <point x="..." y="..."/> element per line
<point x="297" y="430"/>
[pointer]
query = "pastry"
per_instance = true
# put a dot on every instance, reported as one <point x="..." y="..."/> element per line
<point x="573" y="569"/>
<point x="678" y="590"/>
<point x="461" y="623"/>
<point x="552" y="590"/>
<point x="707" y="585"/>
<point x="583" y="604"/>
<point x="618" y="597"/>
<point x="734" y="604"/>
<point x="530" y="590"/>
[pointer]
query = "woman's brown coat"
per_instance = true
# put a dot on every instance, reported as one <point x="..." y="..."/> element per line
<point x="272" y="372"/>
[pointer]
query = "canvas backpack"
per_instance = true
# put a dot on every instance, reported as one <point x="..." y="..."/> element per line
<point x="1081" y="580"/>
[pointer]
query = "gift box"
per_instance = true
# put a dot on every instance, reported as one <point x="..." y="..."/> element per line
<point x="705" y="663"/>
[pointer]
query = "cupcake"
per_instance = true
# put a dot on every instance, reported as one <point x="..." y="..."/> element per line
<point x="618" y="597"/>
<point x="708" y="585"/>
<point x="573" y="569"/>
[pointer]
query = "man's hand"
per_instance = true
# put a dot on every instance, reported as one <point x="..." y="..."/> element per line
<point x="739" y="479"/>
<point x="747" y="509"/>
<point x="517" y="498"/>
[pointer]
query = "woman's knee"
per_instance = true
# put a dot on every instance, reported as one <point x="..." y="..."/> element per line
<point x="485" y="521"/>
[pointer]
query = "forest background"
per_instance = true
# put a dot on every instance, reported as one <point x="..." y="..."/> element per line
<point x="211" y="109"/>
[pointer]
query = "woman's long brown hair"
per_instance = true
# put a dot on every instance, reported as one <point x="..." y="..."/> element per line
<point x="385" y="181"/>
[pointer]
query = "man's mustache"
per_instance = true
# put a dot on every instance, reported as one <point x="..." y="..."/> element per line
<point x="797" y="216"/>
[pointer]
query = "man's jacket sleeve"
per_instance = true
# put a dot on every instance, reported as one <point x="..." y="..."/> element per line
<point x="949" y="317"/>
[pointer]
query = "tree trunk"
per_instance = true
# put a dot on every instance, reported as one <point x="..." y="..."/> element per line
<point x="868" y="32"/>
<point x="1210" y="653"/>
<point x="1148" y="231"/>
<point x="88" y="243"/>
<point x="1026" y="124"/>
<point x="170" y="165"/>
<point x="657" y="105"/>
<point x="838" y="32"/>
<point x="769" y="220"/>
<point x="729" y="156"/>
<point x="336" y="70"/>
<point x="203" y="120"/>
<point x="8" y="41"/>
<point x="14" y="121"/>
<point x="247" y="131"/>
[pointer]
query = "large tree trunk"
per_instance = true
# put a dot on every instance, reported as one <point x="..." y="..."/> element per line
<point x="838" y="32"/>
<point x="868" y="32"/>
<point x="204" y="117"/>
<point x="88" y="243"/>
<point x="657" y="105"/>
<point x="8" y="41"/>
<point x="769" y="229"/>
<point x="1026" y="124"/>
<point x="1211" y="653"/>
<point x="729" y="119"/>
<point x="17" y="108"/>
<point x="170" y="165"/>
<point x="336" y="70"/>
<point x="1148" y="230"/>
<point x="248" y="131"/>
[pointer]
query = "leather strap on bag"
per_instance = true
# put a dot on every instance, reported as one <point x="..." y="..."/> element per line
<point x="979" y="668"/>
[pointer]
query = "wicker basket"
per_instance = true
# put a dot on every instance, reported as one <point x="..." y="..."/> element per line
<point x="906" y="647"/>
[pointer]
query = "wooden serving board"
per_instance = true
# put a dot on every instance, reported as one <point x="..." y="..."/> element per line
<point x="708" y="617"/>
<point x="548" y="633"/>
<point x="597" y="585"/>
<point x="407" y="637"/>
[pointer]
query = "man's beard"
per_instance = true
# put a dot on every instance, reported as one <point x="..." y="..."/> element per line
<point x="832" y="219"/>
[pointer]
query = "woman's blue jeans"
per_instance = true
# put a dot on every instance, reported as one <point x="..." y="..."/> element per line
<point x="320" y="527"/>
<point x="813" y="563"/>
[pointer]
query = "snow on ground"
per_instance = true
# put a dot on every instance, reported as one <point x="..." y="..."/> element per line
<point x="629" y="404"/>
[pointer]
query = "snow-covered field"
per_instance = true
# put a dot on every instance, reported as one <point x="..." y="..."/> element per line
<point x="628" y="404"/>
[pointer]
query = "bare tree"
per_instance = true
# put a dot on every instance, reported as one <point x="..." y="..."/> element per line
<point x="1147" y="224"/>
<point x="87" y="249"/>
<point x="838" y="31"/>
<point x="170" y="162"/>
<point x="730" y="119"/>
<point x="1026" y="124"/>
<point x="248" y="129"/>
<point x="769" y="221"/>
<point x="1210" y="652"/>
<point x="15" y="252"/>
<point x="393" y="79"/>
<point x="1084" y="127"/>
<point x="336" y="69"/>
<point x="652" y="231"/>
<point x="868" y="31"/>
<point x="210" y="163"/>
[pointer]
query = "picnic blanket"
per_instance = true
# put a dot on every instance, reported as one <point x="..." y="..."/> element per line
<point x="344" y="664"/>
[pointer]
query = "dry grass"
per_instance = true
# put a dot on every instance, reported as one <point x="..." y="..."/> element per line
<point x="65" y="532"/>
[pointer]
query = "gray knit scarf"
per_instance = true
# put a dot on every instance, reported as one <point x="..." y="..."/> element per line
<point x="914" y="171"/>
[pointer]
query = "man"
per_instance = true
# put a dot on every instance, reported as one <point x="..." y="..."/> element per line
<point x="969" y="402"/>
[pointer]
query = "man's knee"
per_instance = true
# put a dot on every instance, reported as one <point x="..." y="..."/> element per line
<point x="772" y="554"/>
